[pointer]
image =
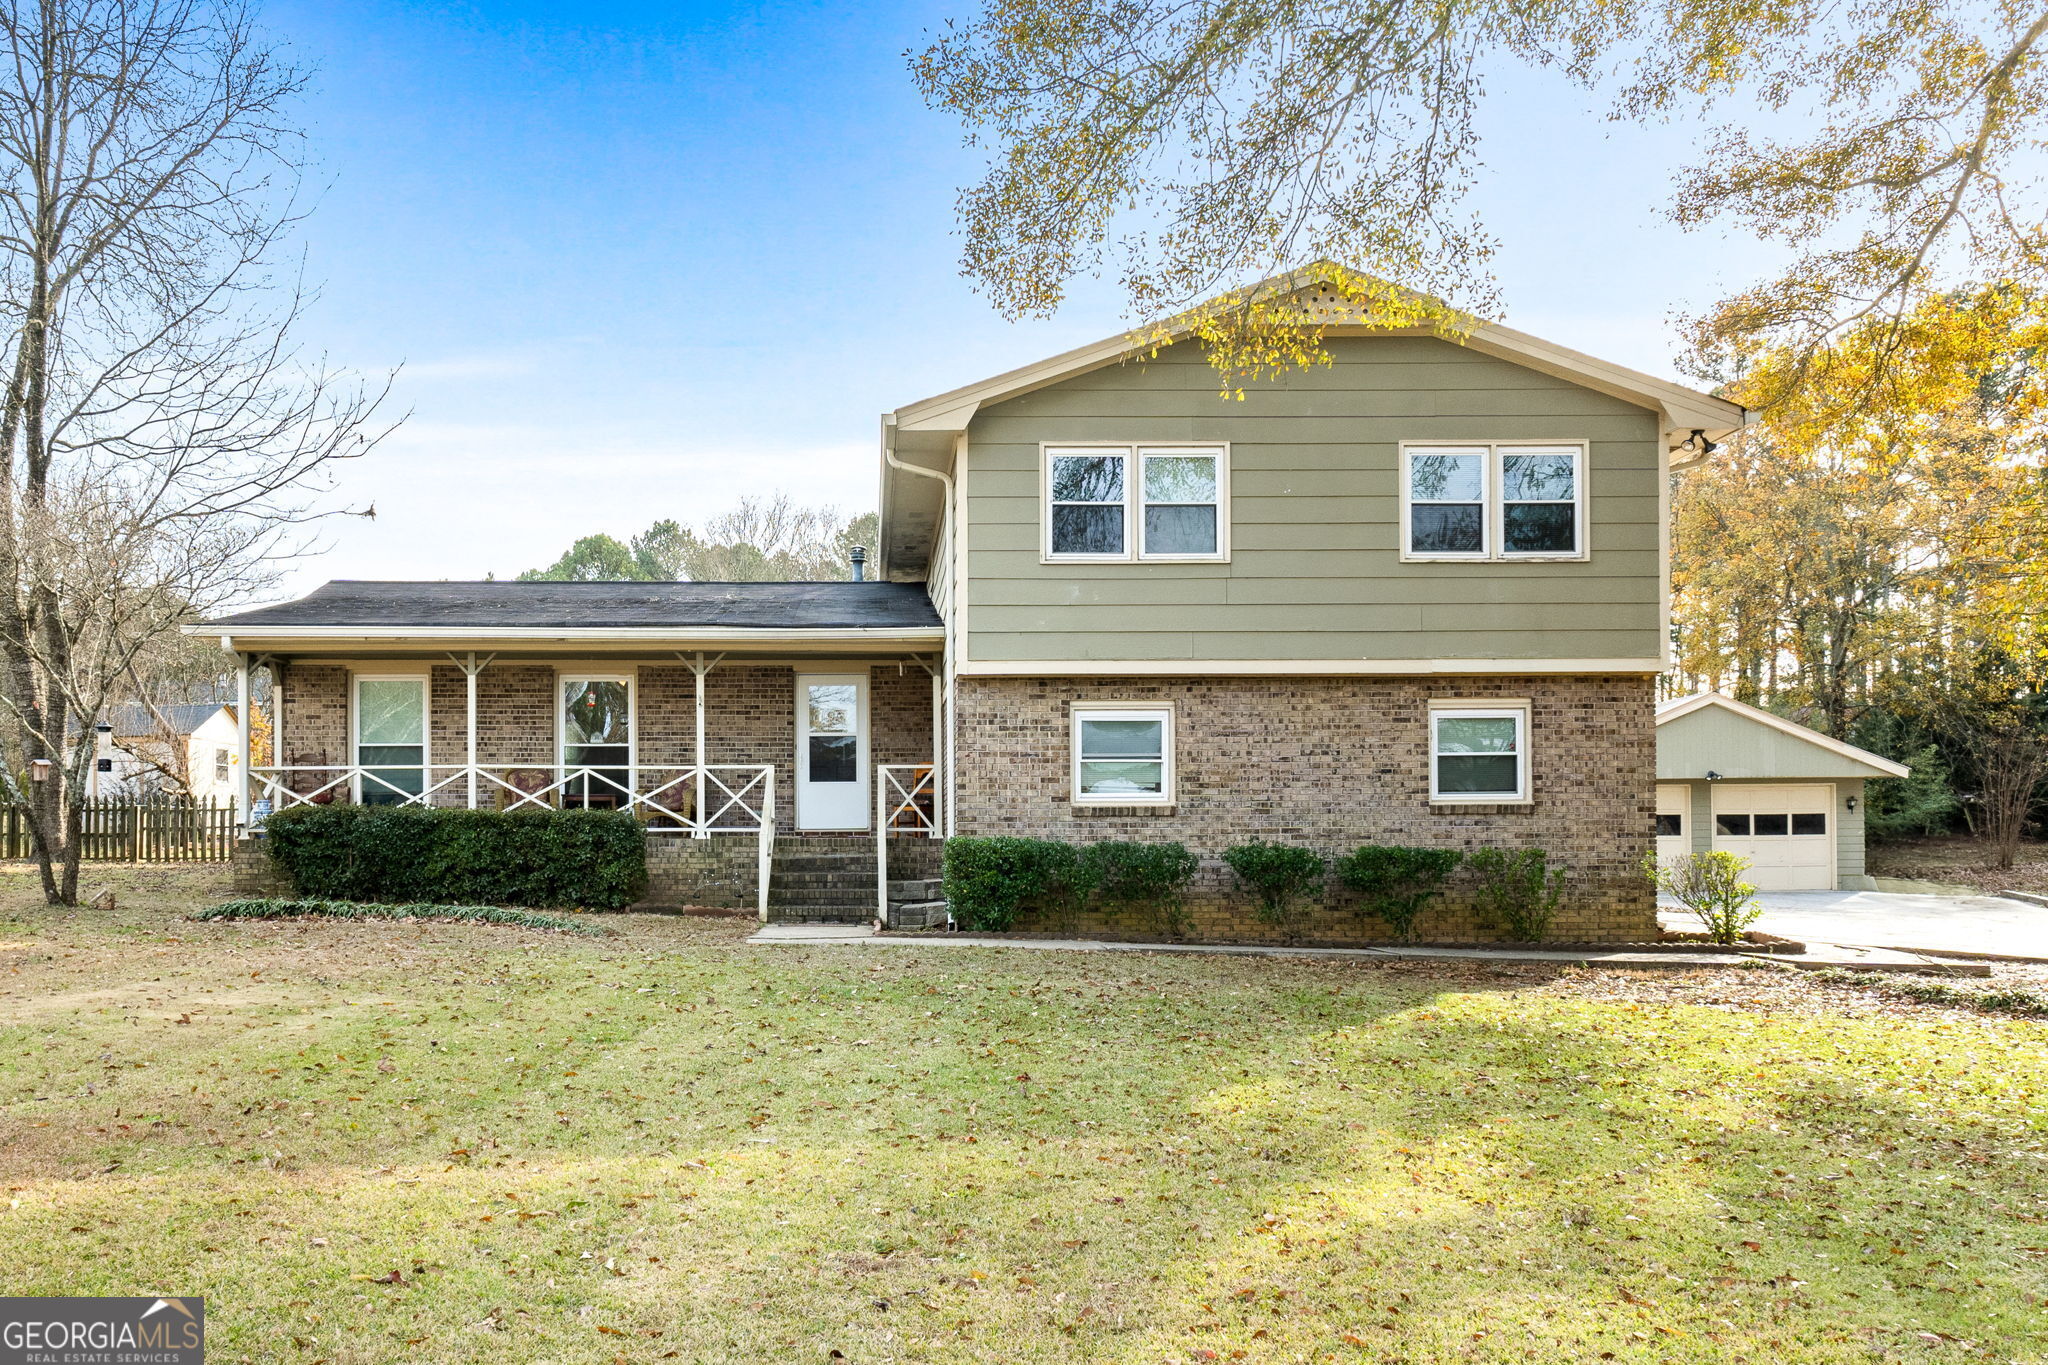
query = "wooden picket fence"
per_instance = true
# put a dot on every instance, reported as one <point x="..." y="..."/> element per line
<point x="119" y="830"/>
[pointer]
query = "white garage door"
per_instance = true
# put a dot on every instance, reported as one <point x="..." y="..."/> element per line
<point x="1674" y="822"/>
<point x="1787" y="833"/>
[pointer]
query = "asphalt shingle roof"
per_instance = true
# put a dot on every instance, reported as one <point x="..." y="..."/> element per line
<point x="184" y="717"/>
<point x="527" y="606"/>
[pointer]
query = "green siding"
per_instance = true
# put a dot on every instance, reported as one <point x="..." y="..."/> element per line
<point x="1718" y="740"/>
<point x="1315" y="570"/>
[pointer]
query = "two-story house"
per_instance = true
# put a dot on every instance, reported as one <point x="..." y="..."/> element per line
<point x="1416" y="596"/>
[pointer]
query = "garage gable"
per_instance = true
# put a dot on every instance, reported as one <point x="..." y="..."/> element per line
<point x="1710" y="733"/>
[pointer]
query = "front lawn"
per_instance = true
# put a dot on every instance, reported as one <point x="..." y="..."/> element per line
<point x="383" y="1141"/>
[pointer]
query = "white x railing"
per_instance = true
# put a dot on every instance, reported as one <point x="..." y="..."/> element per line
<point x="906" y="802"/>
<point x="739" y="798"/>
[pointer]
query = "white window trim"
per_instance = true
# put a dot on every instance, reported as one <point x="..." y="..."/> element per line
<point x="630" y="678"/>
<point x="1122" y="710"/>
<point x="425" y="678"/>
<point x="1484" y="709"/>
<point x="1492" y="516"/>
<point x="1134" y="455"/>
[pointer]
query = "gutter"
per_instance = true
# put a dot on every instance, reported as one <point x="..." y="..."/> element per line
<point x="952" y="605"/>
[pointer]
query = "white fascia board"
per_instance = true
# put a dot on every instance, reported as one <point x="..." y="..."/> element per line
<point x="1298" y="668"/>
<point x="635" y="635"/>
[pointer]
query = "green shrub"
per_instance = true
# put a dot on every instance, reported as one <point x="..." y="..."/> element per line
<point x="989" y="881"/>
<point x="417" y="854"/>
<point x="1710" y="885"/>
<point x="1068" y="880"/>
<point x="1279" y="874"/>
<point x="1518" y="891"/>
<point x="273" y="908"/>
<point x="1147" y="878"/>
<point x="1396" y="882"/>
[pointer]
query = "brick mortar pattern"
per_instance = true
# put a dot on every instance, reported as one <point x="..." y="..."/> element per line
<point x="750" y="718"/>
<point x="1332" y="763"/>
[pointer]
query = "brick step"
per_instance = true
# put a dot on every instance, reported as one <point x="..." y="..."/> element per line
<point x="923" y="889"/>
<point x="821" y="915"/>
<point x="840" y="895"/>
<point x="823" y="874"/>
<point x="918" y="915"/>
<point x="845" y="886"/>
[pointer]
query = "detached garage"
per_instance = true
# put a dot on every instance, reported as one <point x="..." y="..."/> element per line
<point x="1787" y="798"/>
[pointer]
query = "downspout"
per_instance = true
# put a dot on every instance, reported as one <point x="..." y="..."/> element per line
<point x="943" y="745"/>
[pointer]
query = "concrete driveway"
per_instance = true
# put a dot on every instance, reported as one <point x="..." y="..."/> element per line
<point x="1889" y="919"/>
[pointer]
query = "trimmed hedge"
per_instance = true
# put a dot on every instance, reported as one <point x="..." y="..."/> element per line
<point x="271" y="908"/>
<point x="1280" y="874"/>
<point x="990" y="881"/>
<point x="417" y="854"/>
<point x="1396" y="882"/>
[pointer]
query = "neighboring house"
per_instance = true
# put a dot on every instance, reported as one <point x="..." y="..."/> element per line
<point x="1788" y="799"/>
<point x="191" y="751"/>
<point x="1416" y="596"/>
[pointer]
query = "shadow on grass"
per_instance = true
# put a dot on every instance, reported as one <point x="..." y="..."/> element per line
<point x="949" y="1155"/>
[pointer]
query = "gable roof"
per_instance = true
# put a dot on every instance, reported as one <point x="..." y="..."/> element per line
<point x="182" y="717"/>
<point x="1878" y="765"/>
<point x="363" y="609"/>
<point x="927" y="428"/>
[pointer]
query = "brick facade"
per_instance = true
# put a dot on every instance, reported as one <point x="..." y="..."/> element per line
<point x="1332" y="763"/>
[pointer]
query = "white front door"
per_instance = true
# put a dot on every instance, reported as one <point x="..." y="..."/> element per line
<point x="831" y="751"/>
<point x="1674" y="821"/>
<point x="1786" y="832"/>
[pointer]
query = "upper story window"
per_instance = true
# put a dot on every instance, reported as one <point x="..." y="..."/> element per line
<point x="1136" y="502"/>
<point x="1493" y="501"/>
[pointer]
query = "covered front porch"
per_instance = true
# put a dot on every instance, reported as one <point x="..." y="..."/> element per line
<point x="699" y="730"/>
<point x="701" y="744"/>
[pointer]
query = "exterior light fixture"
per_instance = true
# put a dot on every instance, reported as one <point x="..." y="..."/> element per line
<point x="1852" y="805"/>
<point x="1713" y="776"/>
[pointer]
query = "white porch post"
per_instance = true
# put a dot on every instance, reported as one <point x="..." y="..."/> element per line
<point x="469" y="730"/>
<point x="938" y="673"/>
<point x="699" y="666"/>
<point x="242" y="666"/>
<point x="698" y="670"/>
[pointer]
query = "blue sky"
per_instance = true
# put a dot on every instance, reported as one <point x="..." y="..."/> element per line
<point x="639" y="260"/>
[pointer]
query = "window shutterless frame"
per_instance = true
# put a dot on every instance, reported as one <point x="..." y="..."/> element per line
<point x="1495" y="500"/>
<point x="566" y="674"/>
<point x="1516" y="714"/>
<point x="1134" y="456"/>
<point x="374" y="791"/>
<point x="1162" y="716"/>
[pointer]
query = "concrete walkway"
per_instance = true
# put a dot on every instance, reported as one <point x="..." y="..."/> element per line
<point x="1817" y="956"/>
<point x="1990" y="925"/>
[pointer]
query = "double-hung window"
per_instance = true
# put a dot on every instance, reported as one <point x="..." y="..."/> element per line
<point x="1493" y="501"/>
<point x="1478" y="753"/>
<point x="597" y="741"/>
<point x="391" y="739"/>
<point x="1123" y="755"/>
<point x="1136" y="502"/>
